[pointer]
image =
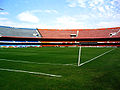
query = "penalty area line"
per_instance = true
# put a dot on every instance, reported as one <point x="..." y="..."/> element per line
<point x="36" y="73"/>
<point x="19" y="61"/>
<point x="96" y="57"/>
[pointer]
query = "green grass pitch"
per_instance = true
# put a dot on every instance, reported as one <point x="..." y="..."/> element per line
<point x="101" y="74"/>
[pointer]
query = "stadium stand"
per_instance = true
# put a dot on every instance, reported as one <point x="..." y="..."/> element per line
<point x="99" y="33"/>
<point x="80" y="33"/>
<point x="60" y="33"/>
<point x="55" y="33"/>
<point x="22" y="37"/>
<point x="18" y="32"/>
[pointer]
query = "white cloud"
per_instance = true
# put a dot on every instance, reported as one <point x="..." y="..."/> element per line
<point x="50" y="11"/>
<point x="66" y="20"/>
<point x="44" y="11"/>
<point x="82" y="3"/>
<point x="36" y="11"/>
<point x="73" y="18"/>
<point x="4" y="13"/>
<point x="114" y="2"/>
<point x="17" y="24"/>
<point x="108" y="24"/>
<point x="3" y="19"/>
<point x="87" y="21"/>
<point x="95" y="3"/>
<point x="74" y="3"/>
<point x="70" y="22"/>
<point x="101" y="9"/>
<point x="28" y="17"/>
<point x="105" y="7"/>
<point x="7" y="23"/>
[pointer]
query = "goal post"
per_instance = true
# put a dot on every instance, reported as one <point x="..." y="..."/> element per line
<point x="79" y="56"/>
<point x="89" y="60"/>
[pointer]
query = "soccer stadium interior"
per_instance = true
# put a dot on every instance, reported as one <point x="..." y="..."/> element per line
<point x="59" y="59"/>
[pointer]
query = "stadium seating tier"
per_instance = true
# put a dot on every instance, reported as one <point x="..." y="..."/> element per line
<point x="80" y="33"/>
<point x="17" y="32"/>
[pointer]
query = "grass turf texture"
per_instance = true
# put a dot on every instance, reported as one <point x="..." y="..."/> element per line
<point x="101" y="74"/>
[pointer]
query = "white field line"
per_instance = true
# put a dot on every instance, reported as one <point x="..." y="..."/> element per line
<point x="96" y="57"/>
<point x="79" y="56"/>
<point x="37" y="73"/>
<point x="19" y="61"/>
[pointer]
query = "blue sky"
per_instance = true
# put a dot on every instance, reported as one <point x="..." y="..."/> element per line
<point x="60" y="14"/>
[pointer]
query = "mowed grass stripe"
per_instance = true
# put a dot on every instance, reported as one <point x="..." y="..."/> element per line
<point x="41" y="55"/>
